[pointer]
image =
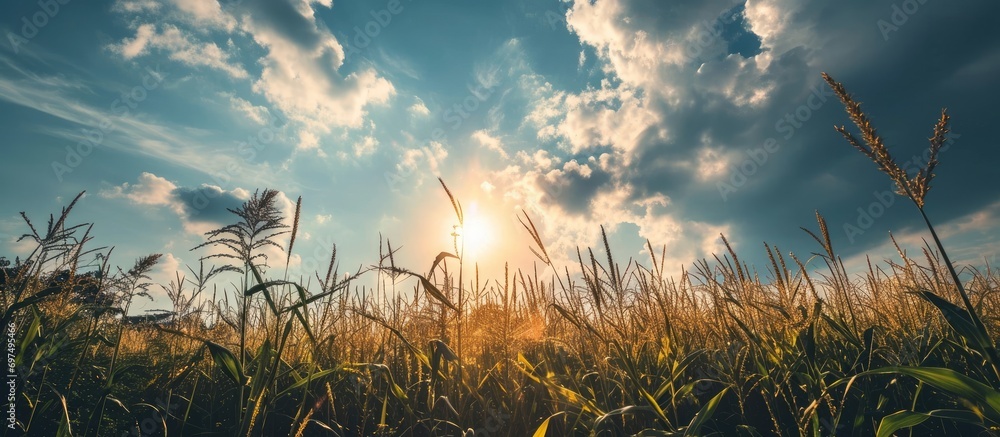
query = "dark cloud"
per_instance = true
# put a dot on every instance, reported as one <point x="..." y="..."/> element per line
<point x="940" y="56"/>
<point x="281" y="17"/>
<point x="208" y="204"/>
<point x="573" y="191"/>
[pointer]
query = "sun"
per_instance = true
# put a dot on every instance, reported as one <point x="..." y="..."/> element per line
<point x="478" y="233"/>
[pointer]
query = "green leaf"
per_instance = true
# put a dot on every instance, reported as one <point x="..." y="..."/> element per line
<point x="807" y="341"/>
<point x="318" y="376"/>
<point x="908" y="419"/>
<point x="960" y="320"/>
<point x="226" y="361"/>
<point x="982" y="395"/>
<point x="899" y="420"/>
<point x="706" y="412"/>
<point x="843" y="330"/>
<point x="629" y="410"/>
<point x="265" y="285"/>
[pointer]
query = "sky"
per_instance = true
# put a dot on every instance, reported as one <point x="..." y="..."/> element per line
<point x="668" y="121"/>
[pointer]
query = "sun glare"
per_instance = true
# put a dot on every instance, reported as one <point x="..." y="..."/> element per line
<point x="478" y="233"/>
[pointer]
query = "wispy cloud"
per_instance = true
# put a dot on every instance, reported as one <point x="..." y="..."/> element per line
<point x="179" y="46"/>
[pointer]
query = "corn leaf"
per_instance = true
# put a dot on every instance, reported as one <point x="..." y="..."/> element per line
<point x="908" y="419"/>
<point x="983" y="396"/>
<point x="226" y="361"/>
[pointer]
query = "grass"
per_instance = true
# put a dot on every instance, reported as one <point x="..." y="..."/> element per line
<point x="605" y="349"/>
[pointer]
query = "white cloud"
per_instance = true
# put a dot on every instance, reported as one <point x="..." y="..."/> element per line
<point x="136" y="6"/>
<point x="365" y="147"/>
<point x="429" y="157"/>
<point x="258" y="114"/>
<point x="151" y="190"/>
<point x="300" y="66"/>
<point x="180" y="47"/>
<point x="419" y="109"/>
<point x="206" y="13"/>
<point x="168" y="266"/>
<point x="541" y="159"/>
<point x="490" y="142"/>
<point x="307" y="141"/>
<point x="301" y="77"/>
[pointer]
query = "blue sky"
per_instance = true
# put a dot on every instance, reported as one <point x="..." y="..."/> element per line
<point x="667" y="121"/>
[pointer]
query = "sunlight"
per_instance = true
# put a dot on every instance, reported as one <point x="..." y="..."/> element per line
<point x="479" y="233"/>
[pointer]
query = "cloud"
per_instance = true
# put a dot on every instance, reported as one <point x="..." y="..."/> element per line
<point x="681" y="87"/>
<point x="609" y="116"/>
<point x="419" y="109"/>
<point x="490" y="142"/>
<point x="136" y="6"/>
<point x="970" y="240"/>
<point x="300" y="62"/>
<point x="180" y="46"/>
<point x="169" y="265"/>
<point x="564" y="230"/>
<point x="308" y="141"/>
<point x="109" y="123"/>
<point x="206" y="13"/>
<point x="258" y="114"/>
<point x="200" y="209"/>
<point x="150" y="190"/>
<point x="300" y="70"/>
<point x="431" y="156"/>
<point x="365" y="147"/>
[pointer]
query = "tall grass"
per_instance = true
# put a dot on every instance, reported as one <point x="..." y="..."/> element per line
<point x="598" y="348"/>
